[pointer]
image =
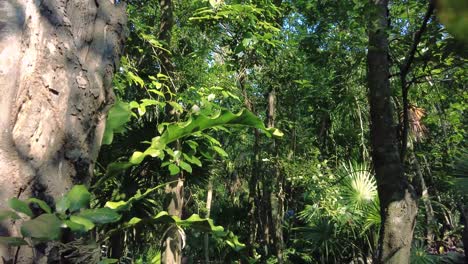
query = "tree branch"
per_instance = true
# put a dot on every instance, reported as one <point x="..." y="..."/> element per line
<point x="405" y="69"/>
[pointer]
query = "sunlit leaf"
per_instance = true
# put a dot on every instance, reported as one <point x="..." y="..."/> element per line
<point x="79" y="197"/>
<point x="101" y="215"/>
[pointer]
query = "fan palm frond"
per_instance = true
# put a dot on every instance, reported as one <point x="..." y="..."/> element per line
<point x="360" y="188"/>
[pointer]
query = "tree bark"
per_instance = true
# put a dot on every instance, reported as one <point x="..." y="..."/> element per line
<point x="57" y="60"/>
<point x="397" y="197"/>
<point x="208" y="212"/>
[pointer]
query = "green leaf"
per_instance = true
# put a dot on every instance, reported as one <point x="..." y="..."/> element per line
<point x="137" y="157"/>
<point x="220" y="151"/>
<point x="185" y="166"/>
<point x="108" y="261"/>
<point x="100" y="215"/>
<point x="75" y="227"/>
<point x="20" y="206"/>
<point x="116" y="205"/>
<point x="5" y="214"/>
<point x="62" y="205"/>
<point x="454" y="15"/>
<point x="43" y="205"/>
<point x="192" y="159"/>
<point x="79" y="197"/>
<point x="173" y="169"/>
<point x="233" y="242"/>
<point x="202" y="122"/>
<point x="87" y="224"/>
<point x="44" y="227"/>
<point x="193" y="125"/>
<point x="136" y="79"/>
<point x="119" y="115"/>
<point x="12" y="241"/>
<point x="122" y="205"/>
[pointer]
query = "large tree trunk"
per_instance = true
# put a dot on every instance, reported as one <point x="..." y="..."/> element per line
<point x="57" y="59"/>
<point x="397" y="197"/>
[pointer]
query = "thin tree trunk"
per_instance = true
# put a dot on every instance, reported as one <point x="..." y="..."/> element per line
<point x="430" y="219"/>
<point x="209" y="197"/>
<point x="253" y="181"/>
<point x="172" y="251"/>
<point x="57" y="60"/>
<point x="277" y="195"/>
<point x="397" y="197"/>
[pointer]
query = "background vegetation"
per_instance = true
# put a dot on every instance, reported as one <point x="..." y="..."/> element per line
<point x="259" y="109"/>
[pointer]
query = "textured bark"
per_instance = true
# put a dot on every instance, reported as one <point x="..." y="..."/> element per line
<point x="57" y="59"/>
<point x="397" y="197"/>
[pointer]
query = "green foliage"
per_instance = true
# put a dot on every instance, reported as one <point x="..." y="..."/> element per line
<point x="43" y="227"/>
<point x="305" y="59"/>
<point x="118" y="116"/>
<point x="454" y="15"/>
<point x="77" y="198"/>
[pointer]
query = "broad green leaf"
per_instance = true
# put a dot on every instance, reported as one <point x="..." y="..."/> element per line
<point x="192" y="159"/>
<point x="202" y="122"/>
<point x="79" y="197"/>
<point x="44" y="227"/>
<point x="87" y="224"/>
<point x="134" y="221"/>
<point x="20" y="206"/>
<point x="193" y="125"/>
<point x="43" y="205"/>
<point x="5" y="214"/>
<point x="185" y="166"/>
<point x="173" y="169"/>
<point x="137" y="157"/>
<point x="118" y="116"/>
<point x="116" y="205"/>
<point x="100" y="215"/>
<point x="201" y="224"/>
<point x="75" y="227"/>
<point x="62" y="205"/>
<point x="154" y="153"/>
<point x="12" y="241"/>
<point x="220" y="151"/>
